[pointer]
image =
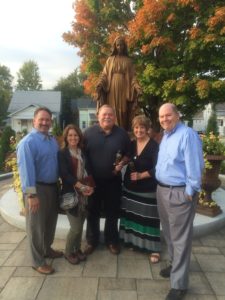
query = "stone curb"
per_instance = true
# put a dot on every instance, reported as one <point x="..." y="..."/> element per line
<point x="6" y="176"/>
<point x="203" y="225"/>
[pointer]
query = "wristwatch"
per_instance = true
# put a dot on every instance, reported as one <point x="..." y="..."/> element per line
<point x="32" y="195"/>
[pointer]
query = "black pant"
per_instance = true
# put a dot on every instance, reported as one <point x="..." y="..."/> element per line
<point x="105" y="202"/>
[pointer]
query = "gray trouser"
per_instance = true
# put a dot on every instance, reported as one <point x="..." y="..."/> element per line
<point x="42" y="224"/>
<point x="176" y="216"/>
<point x="74" y="237"/>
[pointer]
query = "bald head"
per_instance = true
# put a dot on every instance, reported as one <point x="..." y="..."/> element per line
<point x="169" y="106"/>
<point x="168" y="116"/>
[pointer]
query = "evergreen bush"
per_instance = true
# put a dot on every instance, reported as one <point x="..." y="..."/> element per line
<point x="5" y="145"/>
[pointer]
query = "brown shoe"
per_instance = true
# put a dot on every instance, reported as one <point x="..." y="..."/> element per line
<point x="72" y="258"/>
<point x="89" y="249"/>
<point x="46" y="269"/>
<point x="114" y="249"/>
<point x="82" y="256"/>
<point x="54" y="254"/>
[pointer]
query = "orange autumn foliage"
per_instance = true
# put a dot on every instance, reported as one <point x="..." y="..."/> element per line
<point x="90" y="84"/>
<point x="194" y="33"/>
<point x="84" y="15"/>
<point x="218" y="18"/>
<point x="209" y="38"/>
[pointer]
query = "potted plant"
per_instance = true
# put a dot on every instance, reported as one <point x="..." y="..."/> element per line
<point x="214" y="154"/>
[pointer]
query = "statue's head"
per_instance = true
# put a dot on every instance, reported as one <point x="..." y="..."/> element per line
<point x="120" y="46"/>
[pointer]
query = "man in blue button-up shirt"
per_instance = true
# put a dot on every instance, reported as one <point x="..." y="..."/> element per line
<point x="38" y="169"/>
<point x="178" y="171"/>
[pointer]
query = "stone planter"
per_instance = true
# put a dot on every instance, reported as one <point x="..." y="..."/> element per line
<point x="210" y="182"/>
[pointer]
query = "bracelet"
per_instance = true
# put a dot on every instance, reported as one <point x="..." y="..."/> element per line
<point x="82" y="188"/>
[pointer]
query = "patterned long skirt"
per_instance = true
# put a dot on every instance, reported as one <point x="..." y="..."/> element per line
<point x="140" y="224"/>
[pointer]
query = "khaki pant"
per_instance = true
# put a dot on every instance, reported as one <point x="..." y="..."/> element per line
<point x="41" y="225"/>
<point x="74" y="236"/>
<point x="176" y="215"/>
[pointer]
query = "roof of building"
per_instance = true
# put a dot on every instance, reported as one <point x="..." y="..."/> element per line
<point x="199" y="115"/>
<point x="23" y="109"/>
<point x="220" y="106"/>
<point x="22" y="99"/>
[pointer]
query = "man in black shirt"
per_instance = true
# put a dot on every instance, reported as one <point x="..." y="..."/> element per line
<point x="107" y="150"/>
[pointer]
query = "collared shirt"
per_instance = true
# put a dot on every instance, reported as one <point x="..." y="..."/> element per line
<point x="180" y="159"/>
<point x="101" y="150"/>
<point x="37" y="160"/>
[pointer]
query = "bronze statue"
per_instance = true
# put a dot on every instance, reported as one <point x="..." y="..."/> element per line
<point x="118" y="86"/>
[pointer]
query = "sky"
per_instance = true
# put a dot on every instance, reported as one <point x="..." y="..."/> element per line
<point x="32" y="30"/>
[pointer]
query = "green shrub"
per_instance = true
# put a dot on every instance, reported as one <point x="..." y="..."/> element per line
<point x="56" y="130"/>
<point x="5" y="145"/>
<point x="222" y="168"/>
<point x="212" y="125"/>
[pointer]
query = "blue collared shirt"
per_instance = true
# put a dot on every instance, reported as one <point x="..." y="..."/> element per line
<point x="180" y="159"/>
<point x="37" y="160"/>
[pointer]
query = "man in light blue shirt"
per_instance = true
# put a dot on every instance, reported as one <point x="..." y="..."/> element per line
<point x="38" y="169"/>
<point x="178" y="171"/>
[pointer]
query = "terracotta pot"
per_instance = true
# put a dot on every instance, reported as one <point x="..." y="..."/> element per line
<point x="210" y="182"/>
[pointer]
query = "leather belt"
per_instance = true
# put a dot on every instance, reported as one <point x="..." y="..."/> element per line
<point x="170" y="186"/>
<point x="46" y="183"/>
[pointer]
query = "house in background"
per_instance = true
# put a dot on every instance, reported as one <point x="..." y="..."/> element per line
<point x="24" y="103"/>
<point x="200" y="120"/>
<point x="220" y="112"/>
<point x="86" y="111"/>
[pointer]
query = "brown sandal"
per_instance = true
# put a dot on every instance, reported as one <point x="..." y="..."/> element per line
<point x="154" y="258"/>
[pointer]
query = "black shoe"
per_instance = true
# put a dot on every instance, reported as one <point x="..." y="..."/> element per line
<point x="114" y="249"/>
<point x="166" y="272"/>
<point x="175" y="294"/>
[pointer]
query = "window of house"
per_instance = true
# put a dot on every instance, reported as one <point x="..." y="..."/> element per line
<point x="83" y="124"/>
<point x="220" y="122"/>
<point x="24" y="123"/>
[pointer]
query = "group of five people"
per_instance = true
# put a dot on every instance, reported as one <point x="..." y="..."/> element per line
<point x="161" y="183"/>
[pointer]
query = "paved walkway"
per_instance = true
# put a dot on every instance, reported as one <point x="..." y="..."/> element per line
<point x="130" y="276"/>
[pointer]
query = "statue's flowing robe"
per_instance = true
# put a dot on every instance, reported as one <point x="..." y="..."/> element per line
<point x="119" y="85"/>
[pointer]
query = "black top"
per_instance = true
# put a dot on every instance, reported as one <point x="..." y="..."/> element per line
<point x="146" y="161"/>
<point x="66" y="171"/>
<point x="101" y="149"/>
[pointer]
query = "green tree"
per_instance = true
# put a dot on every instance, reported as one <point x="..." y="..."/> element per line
<point x="5" y="91"/>
<point x="181" y="46"/>
<point x="28" y="77"/>
<point x="5" y="144"/>
<point x="56" y="130"/>
<point x="178" y="47"/>
<point x="97" y="24"/>
<point x="71" y="88"/>
<point x="212" y="125"/>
